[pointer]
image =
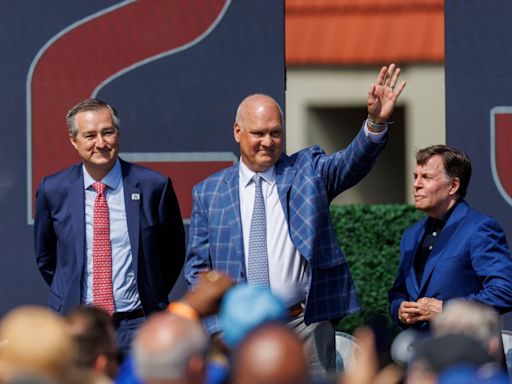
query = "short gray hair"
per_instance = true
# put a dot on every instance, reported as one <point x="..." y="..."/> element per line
<point x="470" y="318"/>
<point x="89" y="105"/>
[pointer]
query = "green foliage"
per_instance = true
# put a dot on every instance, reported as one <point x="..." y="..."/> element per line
<point x="369" y="235"/>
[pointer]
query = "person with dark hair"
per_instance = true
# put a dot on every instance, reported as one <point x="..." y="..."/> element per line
<point x="455" y="252"/>
<point x="94" y="336"/>
<point x="107" y="233"/>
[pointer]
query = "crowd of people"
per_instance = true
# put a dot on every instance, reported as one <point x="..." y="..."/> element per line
<point x="267" y="280"/>
<point x="172" y="346"/>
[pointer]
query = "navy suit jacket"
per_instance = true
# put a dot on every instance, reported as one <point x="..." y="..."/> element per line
<point x="470" y="260"/>
<point x="306" y="182"/>
<point x="155" y="230"/>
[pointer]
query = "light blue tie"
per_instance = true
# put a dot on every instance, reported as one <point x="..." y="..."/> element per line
<point x="257" y="271"/>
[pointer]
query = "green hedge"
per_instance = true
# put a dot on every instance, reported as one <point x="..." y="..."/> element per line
<point x="369" y="235"/>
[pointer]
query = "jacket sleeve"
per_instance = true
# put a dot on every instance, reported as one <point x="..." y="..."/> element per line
<point x="398" y="292"/>
<point x="198" y="250"/>
<point x="490" y="258"/>
<point x="348" y="166"/>
<point x="45" y="240"/>
<point x="173" y="235"/>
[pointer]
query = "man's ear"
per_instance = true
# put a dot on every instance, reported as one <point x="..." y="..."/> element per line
<point x="73" y="141"/>
<point x="236" y="132"/>
<point x="454" y="186"/>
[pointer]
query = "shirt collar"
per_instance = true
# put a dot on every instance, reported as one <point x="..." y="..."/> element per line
<point x="111" y="179"/>
<point x="246" y="174"/>
<point x="440" y="223"/>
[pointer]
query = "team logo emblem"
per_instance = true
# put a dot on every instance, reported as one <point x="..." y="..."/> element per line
<point x="501" y="150"/>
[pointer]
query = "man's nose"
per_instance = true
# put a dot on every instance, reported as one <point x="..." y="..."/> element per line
<point x="267" y="141"/>
<point x="99" y="141"/>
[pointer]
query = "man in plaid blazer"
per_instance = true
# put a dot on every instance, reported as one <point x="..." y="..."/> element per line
<point x="306" y="267"/>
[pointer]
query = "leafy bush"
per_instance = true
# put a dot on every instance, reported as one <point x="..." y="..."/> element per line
<point x="369" y="235"/>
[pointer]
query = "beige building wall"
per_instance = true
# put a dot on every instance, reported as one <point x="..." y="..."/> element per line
<point x="423" y="101"/>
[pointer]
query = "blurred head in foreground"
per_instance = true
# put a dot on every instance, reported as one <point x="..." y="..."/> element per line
<point x="94" y="334"/>
<point x="271" y="354"/>
<point x="245" y="307"/>
<point x="38" y="345"/>
<point x="170" y="349"/>
<point x="472" y="319"/>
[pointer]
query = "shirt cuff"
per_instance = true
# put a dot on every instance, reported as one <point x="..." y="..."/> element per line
<point x="374" y="137"/>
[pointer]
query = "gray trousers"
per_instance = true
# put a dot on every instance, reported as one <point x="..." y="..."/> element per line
<point x="319" y="343"/>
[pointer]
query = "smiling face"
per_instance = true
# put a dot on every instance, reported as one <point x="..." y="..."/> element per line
<point x="434" y="192"/>
<point x="259" y="131"/>
<point x="97" y="141"/>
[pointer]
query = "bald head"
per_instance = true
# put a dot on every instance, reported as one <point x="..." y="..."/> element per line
<point x="258" y="104"/>
<point x="259" y="131"/>
<point x="166" y="346"/>
<point x="272" y="354"/>
<point x="37" y="344"/>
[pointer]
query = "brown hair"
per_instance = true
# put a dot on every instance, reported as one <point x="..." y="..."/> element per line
<point x="456" y="163"/>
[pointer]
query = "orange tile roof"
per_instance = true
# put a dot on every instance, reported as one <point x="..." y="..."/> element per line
<point x="346" y="32"/>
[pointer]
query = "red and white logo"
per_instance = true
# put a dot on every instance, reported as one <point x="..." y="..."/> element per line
<point x="501" y="150"/>
<point x="87" y="55"/>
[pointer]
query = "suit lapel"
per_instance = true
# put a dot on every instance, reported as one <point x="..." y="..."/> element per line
<point x="76" y="200"/>
<point x="441" y="245"/>
<point x="231" y="200"/>
<point x="132" y="198"/>
<point x="412" y="281"/>
<point x="284" y="178"/>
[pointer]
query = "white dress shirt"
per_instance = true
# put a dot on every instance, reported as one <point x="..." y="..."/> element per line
<point x="287" y="269"/>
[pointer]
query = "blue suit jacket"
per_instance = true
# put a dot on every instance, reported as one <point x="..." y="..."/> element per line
<point x="471" y="260"/>
<point x="155" y="230"/>
<point x="307" y="182"/>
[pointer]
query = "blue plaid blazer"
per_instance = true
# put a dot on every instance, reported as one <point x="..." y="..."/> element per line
<point x="307" y="182"/>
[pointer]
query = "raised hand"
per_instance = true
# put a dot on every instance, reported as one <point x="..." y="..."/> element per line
<point x="383" y="94"/>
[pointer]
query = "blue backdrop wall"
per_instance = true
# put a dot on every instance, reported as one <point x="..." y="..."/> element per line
<point x="175" y="71"/>
<point x="479" y="102"/>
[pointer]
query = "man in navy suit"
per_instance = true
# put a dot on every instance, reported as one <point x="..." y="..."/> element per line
<point x="305" y="265"/>
<point x="146" y="231"/>
<point x="455" y="252"/>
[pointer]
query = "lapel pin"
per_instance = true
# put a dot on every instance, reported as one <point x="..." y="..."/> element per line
<point x="135" y="196"/>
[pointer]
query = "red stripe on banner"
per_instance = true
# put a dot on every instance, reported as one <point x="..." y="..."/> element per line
<point x="76" y="63"/>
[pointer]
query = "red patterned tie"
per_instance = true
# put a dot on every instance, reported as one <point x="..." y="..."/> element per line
<point x="102" y="294"/>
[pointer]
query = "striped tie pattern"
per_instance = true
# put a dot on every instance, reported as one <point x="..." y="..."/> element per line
<point x="257" y="270"/>
<point x="103" y="296"/>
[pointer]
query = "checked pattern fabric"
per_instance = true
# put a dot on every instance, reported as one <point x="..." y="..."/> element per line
<point x="103" y="296"/>
<point x="257" y="271"/>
